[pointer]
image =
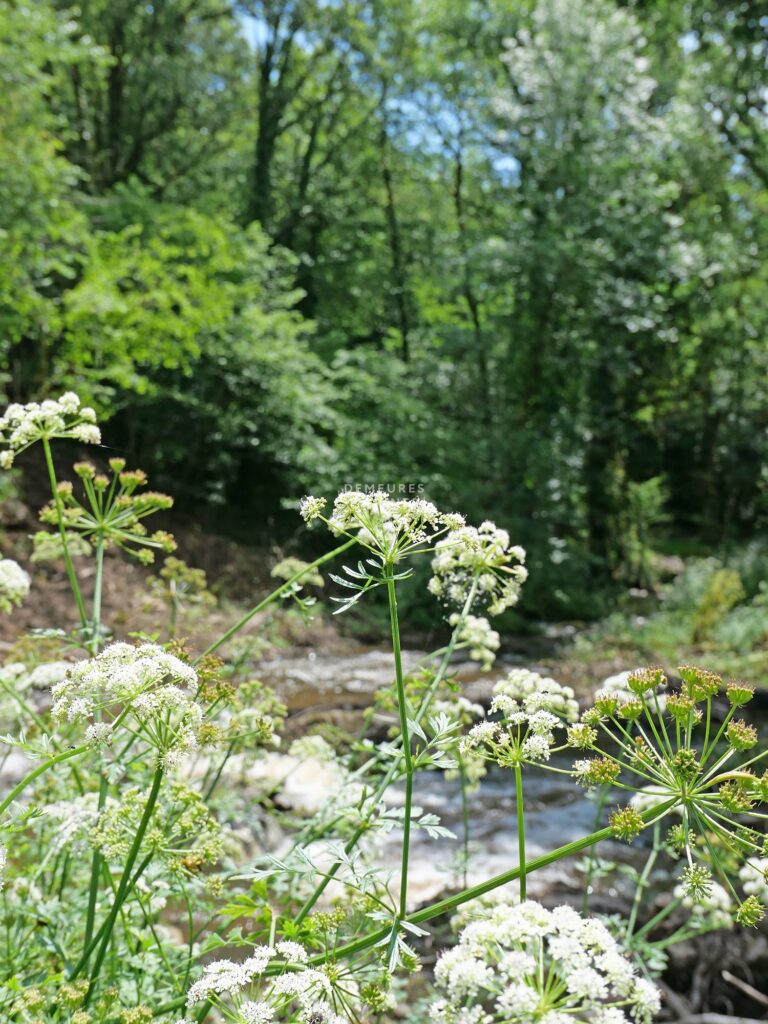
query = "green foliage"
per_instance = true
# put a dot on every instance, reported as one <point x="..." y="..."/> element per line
<point x="512" y="255"/>
<point x="723" y="591"/>
<point x="41" y="227"/>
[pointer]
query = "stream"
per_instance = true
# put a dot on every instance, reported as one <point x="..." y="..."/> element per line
<point x="321" y="687"/>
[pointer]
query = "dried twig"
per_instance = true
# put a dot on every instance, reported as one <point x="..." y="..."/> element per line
<point x="717" y="1018"/>
<point x="745" y="987"/>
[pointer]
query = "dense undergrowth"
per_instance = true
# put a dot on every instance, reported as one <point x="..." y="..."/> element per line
<point x="713" y="609"/>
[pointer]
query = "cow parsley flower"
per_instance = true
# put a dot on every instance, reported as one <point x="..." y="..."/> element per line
<point x="250" y="995"/>
<point x="532" y="708"/>
<point x="156" y="688"/>
<point x="480" y="557"/>
<point x="476" y="634"/>
<point x="22" y="425"/>
<point x="14" y="584"/>
<point x="539" y="693"/>
<point x="389" y="527"/>
<point x="524" y="963"/>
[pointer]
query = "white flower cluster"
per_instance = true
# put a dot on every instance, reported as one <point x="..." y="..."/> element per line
<point x="22" y="425"/>
<point x="539" y="693"/>
<point x="387" y="526"/>
<point x="520" y="964"/>
<point x="521" y="737"/>
<point x="711" y="911"/>
<point x="532" y="707"/>
<point x="156" y="687"/>
<point x="478" y="556"/>
<point x="477" y="634"/>
<point x="74" y="820"/>
<point x="754" y="878"/>
<point x="14" y="584"/>
<point x="254" y="997"/>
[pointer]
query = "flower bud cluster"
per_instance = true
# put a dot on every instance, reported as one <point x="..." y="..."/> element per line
<point x="670" y="752"/>
<point x="112" y="511"/>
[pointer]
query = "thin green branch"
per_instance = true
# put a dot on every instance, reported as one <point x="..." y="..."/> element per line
<point x="275" y="595"/>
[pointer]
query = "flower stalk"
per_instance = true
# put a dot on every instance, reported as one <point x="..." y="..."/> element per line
<point x="73" y="582"/>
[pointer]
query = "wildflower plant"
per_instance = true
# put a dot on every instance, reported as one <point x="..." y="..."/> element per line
<point x="152" y="868"/>
<point x="674" y="754"/>
<point x="14" y="584"/>
<point x="112" y="511"/>
<point x="22" y="425"/>
<point x="180" y="586"/>
<point x="525" y="963"/>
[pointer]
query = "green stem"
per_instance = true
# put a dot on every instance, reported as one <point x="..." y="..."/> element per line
<point x="642" y="883"/>
<point x="520" y="827"/>
<point x="97" y="590"/>
<point x="275" y="594"/>
<point x="136" y="876"/>
<point x="710" y="747"/>
<point x="63" y="533"/>
<point x="93" y="889"/>
<point x="57" y="759"/>
<point x="450" y="903"/>
<point x="402" y="707"/>
<point x="395" y="765"/>
<point x="122" y="890"/>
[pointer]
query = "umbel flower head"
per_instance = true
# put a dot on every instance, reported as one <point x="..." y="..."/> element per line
<point x="476" y="634"/>
<point x="677" y="760"/>
<point x="292" y="990"/>
<point x="481" y="558"/>
<point x="390" y="528"/>
<point x="154" y="687"/>
<point x="22" y="425"/>
<point x="113" y="510"/>
<point x="14" y="584"/>
<point x="524" y="964"/>
<point x="532" y="708"/>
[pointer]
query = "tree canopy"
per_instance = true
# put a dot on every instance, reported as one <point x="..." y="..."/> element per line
<point x="510" y="252"/>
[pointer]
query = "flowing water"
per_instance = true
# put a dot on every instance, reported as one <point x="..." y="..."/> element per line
<point x="317" y="686"/>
